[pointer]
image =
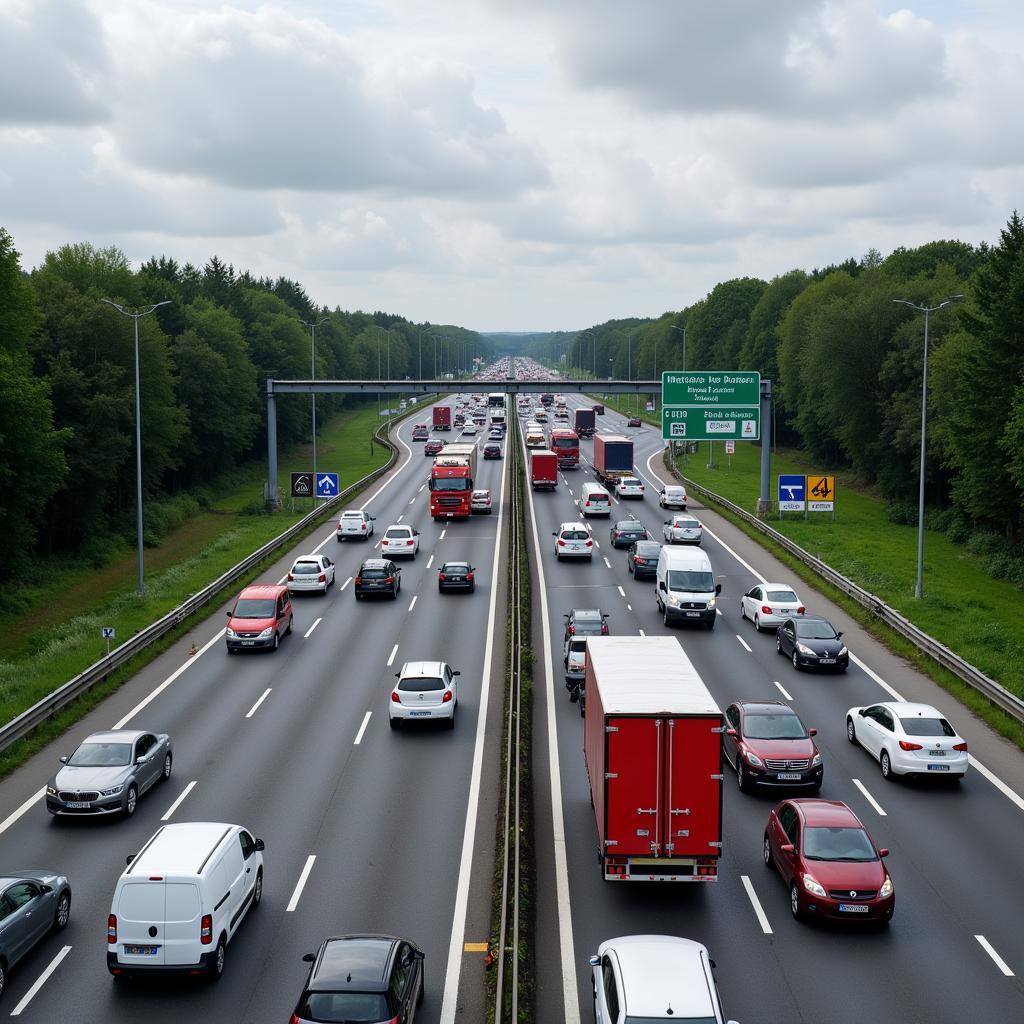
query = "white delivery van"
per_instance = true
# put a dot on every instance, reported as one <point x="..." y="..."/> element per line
<point x="595" y="500"/>
<point x="182" y="898"/>
<point x="685" y="587"/>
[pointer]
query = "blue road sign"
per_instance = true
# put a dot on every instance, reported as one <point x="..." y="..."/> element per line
<point x="792" y="492"/>
<point x="326" y="485"/>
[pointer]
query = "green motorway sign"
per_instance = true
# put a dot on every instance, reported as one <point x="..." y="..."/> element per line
<point x="711" y="405"/>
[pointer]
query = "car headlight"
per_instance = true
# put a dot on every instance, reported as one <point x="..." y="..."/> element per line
<point x="672" y="599"/>
<point x="711" y="602"/>
<point x="113" y="791"/>
<point x="267" y="632"/>
<point x="813" y="886"/>
<point x="230" y="632"/>
<point x="886" y="889"/>
<point x="816" y="760"/>
<point x="50" y="791"/>
<point x="842" y="650"/>
<point x="753" y="759"/>
<point x="803" y="649"/>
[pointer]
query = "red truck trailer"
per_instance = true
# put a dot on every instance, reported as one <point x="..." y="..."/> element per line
<point x="613" y="457"/>
<point x="543" y="469"/>
<point x="586" y="422"/>
<point x="442" y="417"/>
<point x="565" y="443"/>
<point x="653" y="750"/>
<point x="451" y="483"/>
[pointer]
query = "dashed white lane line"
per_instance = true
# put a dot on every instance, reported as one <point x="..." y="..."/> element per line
<point x="301" y="883"/>
<point x="413" y="502"/>
<point x="430" y="561"/>
<point x="391" y="657"/>
<point x="719" y="612"/>
<point x="362" y="728"/>
<point x="621" y="591"/>
<point x="420" y="491"/>
<point x="642" y="633"/>
<point x="606" y="562"/>
<point x="40" y="981"/>
<point x="345" y="584"/>
<point x="997" y="959"/>
<point x="177" y="803"/>
<point x="597" y="543"/>
<point x="443" y="532"/>
<point x="412" y="603"/>
<point x="316" y="622"/>
<point x="256" y="706"/>
<point x="629" y="607"/>
<point x="782" y="689"/>
<point x="762" y="918"/>
<point x="400" y="518"/>
<point x="746" y="646"/>
<point x="867" y="796"/>
<point x="877" y="678"/>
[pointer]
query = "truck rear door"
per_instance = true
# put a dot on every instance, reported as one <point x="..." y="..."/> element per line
<point x="633" y="786"/>
<point x="692" y="819"/>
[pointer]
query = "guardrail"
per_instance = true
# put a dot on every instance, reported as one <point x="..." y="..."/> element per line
<point x="24" y="723"/>
<point x="938" y="652"/>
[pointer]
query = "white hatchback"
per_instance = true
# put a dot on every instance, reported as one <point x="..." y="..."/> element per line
<point x="311" y="573"/>
<point x="630" y="487"/>
<point x="480" y="502"/>
<point x="470" y="429"/>
<point x="673" y="496"/>
<point x="770" y="604"/>
<point x="683" y="529"/>
<point x="355" y="523"/>
<point x="425" y="690"/>
<point x="573" y="540"/>
<point x="400" y="542"/>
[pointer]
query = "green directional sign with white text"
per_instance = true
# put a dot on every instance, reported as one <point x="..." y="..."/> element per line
<point x="711" y="405"/>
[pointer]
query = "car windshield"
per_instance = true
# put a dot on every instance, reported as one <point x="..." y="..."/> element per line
<point x="927" y="727"/>
<point x="101" y="755"/>
<point x="647" y="548"/>
<point x="564" y="442"/>
<point x="254" y="608"/>
<point x="575" y="535"/>
<point x="838" y="844"/>
<point x="784" y="596"/>
<point x="373" y="574"/>
<point x="456" y="484"/>
<point x="577" y="646"/>
<point x="481" y="494"/>
<point x="815" y="631"/>
<point x="691" y="581"/>
<point x="345" y="1007"/>
<point x="773" y="727"/>
<point x="421" y="684"/>
<point x="356" y="517"/>
<point x="305" y="569"/>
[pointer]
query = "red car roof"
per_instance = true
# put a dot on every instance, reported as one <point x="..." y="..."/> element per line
<point x="258" y="590"/>
<point x="826" y="813"/>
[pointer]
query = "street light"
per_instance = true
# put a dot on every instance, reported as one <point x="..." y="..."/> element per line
<point x="313" y="325"/>
<point x="682" y="331"/>
<point x="137" y="316"/>
<point x="919" y="588"/>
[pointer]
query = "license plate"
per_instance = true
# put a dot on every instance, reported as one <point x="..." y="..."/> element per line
<point x="938" y="767"/>
<point x="417" y="714"/>
<point x="140" y="950"/>
<point x="248" y="643"/>
<point x="77" y="805"/>
<point x="827" y="661"/>
<point x="693" y="615"/>
<point x="853" y="908"/>
<point x="936" y="753"/>
<point x="788" y="776"/>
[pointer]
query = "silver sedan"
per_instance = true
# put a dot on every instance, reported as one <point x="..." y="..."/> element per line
<point x="32" y="905"/>
<point x="109" y="772"/>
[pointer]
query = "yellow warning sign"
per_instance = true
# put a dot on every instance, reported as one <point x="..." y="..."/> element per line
<point x="821" y="493"/>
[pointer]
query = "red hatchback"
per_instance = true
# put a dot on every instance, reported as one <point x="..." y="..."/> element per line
<point x="261" y="616"/>
<point x="828" y="860"/>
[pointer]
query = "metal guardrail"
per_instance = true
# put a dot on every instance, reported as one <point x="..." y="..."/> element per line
<point x="938" y="652"/>
<point x="24" y="723"/>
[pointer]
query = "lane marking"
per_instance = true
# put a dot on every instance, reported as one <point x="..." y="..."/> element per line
<point x="40" y="981"/>
<point x="256" y="706"/>
<point x="877" y="678"/>
<point x="867" y="796"/>
<point x="345" y="584"/>
<point x="445" y="530"/>
<point x="762" y="918"/>
<point x="991" y="776"/>
<point x="362" y="729"/>
<point x="15" y="815"/>
<point x="412" y="603"/>
<point x="782" y="689"/>
<point x="746" y="647"/>
<point x="430" y="561"/>
<point x="177" y="803"/>
<point x="420" y="491"/>
<point x="718" y="611"/>
<point x="642" y="633"/>
<point x="597" y="543"/>
<point x="413" y="502"/>
<point x="391" y="657"/>
<point x="982" y="941"/>
<point x="606" y="562"/>
<point x="311" y="628"/>
<point x="400" y="518"/>
<point x="300" y="884"/>
<point x="621" y="591"/>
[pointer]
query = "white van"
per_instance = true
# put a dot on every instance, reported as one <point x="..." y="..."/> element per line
<point x="685" y="586"/>
<point x="182" y="898"/>
<point x="595" y="501"/>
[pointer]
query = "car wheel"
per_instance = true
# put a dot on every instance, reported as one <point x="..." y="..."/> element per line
<point x="472" y="588"/>
<point x="291" y="625"/>
<point x="766" y="849"/>
<point x="741" y="775"/>
<point x="796" y="661"/>
<point x="277" y="641"/>
<point x="359" y="596"/>
<point x="395" y="723"/>
<point x="743" y="611"/>
<point x="757" y="622"/>
<point x="794" y="901"/>
<point x="168" y="764"/>
<point x="63" y="912"/>
<point x="450" y="724"/>
<point x="231" y="650"/>
<point x="394" y="594"/>
<point x="778" y="643"/>
<point x="664" y="615"/>
<point x="711" y="622"/>
<point x="257" y="892"/>
<point x="3" y="976"/>
<point x="220" y="954"/>
<point x="851" y="732"/>
<point x="440" y="589"/>
<point x="886" y="765"/>
<point x="558" y="557"/>
<point x="131" y="801"/>
<point x="340" y="539"/>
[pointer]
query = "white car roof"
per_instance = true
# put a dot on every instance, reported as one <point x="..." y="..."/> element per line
<point x="398" y="526"/>
<point x="659" y="971"/>
<point x="179" y="849"/>
<point x="674" y="487"/>
<point x="308" y="558"/>
<point x="908" y="709"/>
<point x="354" y="512"/>
<point x="572" y="526"/>
<point x="777" y="586"/>
<point x="423" y="668"/>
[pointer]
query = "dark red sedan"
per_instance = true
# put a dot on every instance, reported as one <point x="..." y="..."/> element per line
<point x="829" y="862"/>
<point x="767" y="745"/>
<point x="433" y="447"/>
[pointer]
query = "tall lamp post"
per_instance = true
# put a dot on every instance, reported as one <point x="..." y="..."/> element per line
<point x="919" y="587"/>
<point x="682" y="331"/>
<point x="313" y="325"/>
<point x="137" y="315"/>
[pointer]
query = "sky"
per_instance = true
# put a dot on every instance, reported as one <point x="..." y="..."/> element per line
<point x="518" y="165"/>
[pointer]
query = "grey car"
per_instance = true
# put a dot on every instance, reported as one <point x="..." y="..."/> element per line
<point x="109" y="772"/>
<point x="33" y="904"/>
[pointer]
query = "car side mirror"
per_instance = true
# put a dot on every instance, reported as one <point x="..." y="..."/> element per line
<point x="456" y="673"/>
<point x="666" y="522"/>
<point x="63" y="760"/>
<point x="661" y="585"/>
<point x="788" y="848"/>
<point x="594" y="961"/>
<point x="260" y="845"/>
<point x="839" y="634"/>
<point x="419" y="955"/>
<point x="45" y="889"/>
<point x="862" y="713"/>
<point x="141" y="760"/>
<point x="731" y="732"/>
<point x="883" y="851"/>
<point x="398" y="675"/>
<point x="129" y="858"/>
<point x="718" y="588"/>
<point x="308" y="958"/>
<point x="713" y="964"/>
<point x="812" y="732"/>
<point x="228" y="614"/>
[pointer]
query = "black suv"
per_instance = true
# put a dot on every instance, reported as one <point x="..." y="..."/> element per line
<point x="374" y="979"/>
<point x="377" y="576"/>
<point x="642" y="558"/>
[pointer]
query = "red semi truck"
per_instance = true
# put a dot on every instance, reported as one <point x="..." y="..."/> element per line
<point x="613" y="457"/>
<point x="442" y="417"/>
<point x="565" y="443"/>
<point x="543" y="469"/>
<point x="653" y="750"/>
<point x="451" y="482"/>
<point x="586" y="422"/>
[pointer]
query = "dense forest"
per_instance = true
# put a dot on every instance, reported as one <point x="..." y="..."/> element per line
<point x="846" y="362"/>
<point x="67" y="385"/>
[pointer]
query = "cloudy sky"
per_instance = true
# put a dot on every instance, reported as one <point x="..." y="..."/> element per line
<point x="509" y="164"/>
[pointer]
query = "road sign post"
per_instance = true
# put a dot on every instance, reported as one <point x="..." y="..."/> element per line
<point x="711" y="405"/>
<point x="108" y="633"/>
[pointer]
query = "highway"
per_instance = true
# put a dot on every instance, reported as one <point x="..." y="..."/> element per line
<point x="296" y="747"/>
<point x="955" y="851"/>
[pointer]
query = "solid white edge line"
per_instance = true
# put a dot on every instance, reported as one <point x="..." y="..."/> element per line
<point x="453" y="971"/>
<point x="867" y="796"/>
<point x="316" y="623"/>
<point x="782" y="690"/>
<point x="430" y="561"/>
<point x="300" y="884"/>
<point x="177" y="803"/>
<point x="16" y="814"/>
<point x="40" y="981"/>
<point x="994" y="779"/>
<point x="746" y="647"/>
<point x="345" y="584"/>
<point x="998" y="960"/>
<point x="256" y="706"/>
<point x="762" y="917"/>
<point x="877" y="678"/>
<point x="362" y="729"/>
<point x="391" y="657"/>
<point x="412" y="603"/>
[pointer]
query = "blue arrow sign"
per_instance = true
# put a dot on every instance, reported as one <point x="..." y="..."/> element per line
<point x="326" y="485"/>
<point x="792" y="492"/>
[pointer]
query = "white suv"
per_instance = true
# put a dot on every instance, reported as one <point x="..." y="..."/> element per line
<point x="354" y="522"/>
<point x="573" y="540"/>
<point x="425" y="689"/>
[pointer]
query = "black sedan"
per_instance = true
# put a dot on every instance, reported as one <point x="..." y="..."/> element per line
<point x="34" y="904"/>
<point x="634" y="421"/>
<point x="377" y="576"/>
<point x="642" y="558"/>
<point x="811" y="642"/>
<point x="628" y="532"/>
<point x="456" y="576"/>
<point x="492" y="451"/>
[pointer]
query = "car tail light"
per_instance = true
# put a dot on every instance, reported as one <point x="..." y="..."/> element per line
<point x="589" y="543"/>
<point x="295" y="1019"/>
<point x="907" y="745"/>
<point x="960" y="746"/>
<point x="440" y="577"/>
<point x="362" y="526"/>
<point x="587" y="503"/>
<point x="206" y="929"/>
<point x="395" y="699"/>
<point x="801" y="610"/>
<point x="111" y="929"/>
<point x="469" y="577"/>
<point x="290" y="577"/>
<point x="572" y="629"/>
<point x="765" y="609"/>
<point x="447" y="698"/>
<point x="604" y="629"/>
<point x="390" y="579"/>
<point x="561" y="543"/>
<point x="322" y="578"/>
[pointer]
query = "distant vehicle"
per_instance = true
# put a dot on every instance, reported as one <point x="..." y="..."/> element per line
<point x="425" y="689"/>
<point x="585" y="622"/>
<point x="908" y="739"/>
<point x="770" y="604"/>
<point x="767" y="745"/>
<point x="595" y="500"/>
<point x="311" y="573"/>
<point x="561" y="413"/>
<point x="598" y="409"/>
<point x="534" y="436"/>
<point x="812" y="642"/>
<point x="355" y="523"/>
<point x="828" y="861"/>
<point x="584" y="422"/>
<point x="627" y="532"/>
<point x="540" y="414"/>
<point x="421" y="432"/>
<point x="400" y="542"/>
<point x="573" y="540"/>
<point x="377" y="576"/>
<point x="492" y="451"/>
<point x="481" y="502"/>
<point x="642" y="559"/>
<point x="433" y="447"/>
<point x="683" y="529"/>
<point x="469" y="429"/>
<point x="543" y="469"/>
<point x="108" y="773"/>
<point x="261" y="615"/>
<point x="402" y="405"/>
<point x="634" y="421"/>
<point x="373" y="979"/>
<point x="613" y="458"/>
<point x="451" y="482"/>
<point x="565" y="443"/>
<point x="629" y="487"/>
<point x="456" y="576"/>
<point x="496" y="434"/>
<point x="34" y="903"/>
<point x="673" y="496"/>
<point x="442" y="417"/>
<point x="574" y="657"/>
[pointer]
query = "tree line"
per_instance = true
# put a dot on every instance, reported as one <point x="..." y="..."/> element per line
<point x="67" y="384"/>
